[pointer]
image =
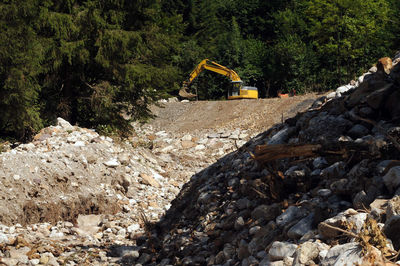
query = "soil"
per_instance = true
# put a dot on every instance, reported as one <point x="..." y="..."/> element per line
<point x="253" y="115"/>
<point x="55" y="179"/>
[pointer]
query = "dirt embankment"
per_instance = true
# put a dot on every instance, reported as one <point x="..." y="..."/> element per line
<point x="254" y="115"/>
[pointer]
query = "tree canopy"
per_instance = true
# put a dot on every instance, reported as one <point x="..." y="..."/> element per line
<point x="92" y="61"/>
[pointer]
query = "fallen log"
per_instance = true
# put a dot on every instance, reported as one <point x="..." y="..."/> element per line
<point x="268" y="153"/>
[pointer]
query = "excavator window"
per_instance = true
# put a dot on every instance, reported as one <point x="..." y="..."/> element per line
<point x="235" y="90"/>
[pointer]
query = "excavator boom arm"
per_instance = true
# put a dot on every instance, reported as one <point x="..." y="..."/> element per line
<point x="215" y="67"/>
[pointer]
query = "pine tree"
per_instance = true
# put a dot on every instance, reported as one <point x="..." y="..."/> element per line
<point x="20" y="56"/>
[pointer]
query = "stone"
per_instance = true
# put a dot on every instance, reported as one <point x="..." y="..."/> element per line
<point x="44" y="259"/>
<point x="133" y="227"/>
<point x="262" y="254"/>
<point x="343" y="89"/>
<point x="173" y="100"/>
<point x="243" y="203"/>
<point x="336" y="170"/>
<point x="295" y="172"/>
<point x="392" y="224"/>
<point x="88" y="224"/>
<point x="200" y="147"/>
<point x="239" y="223"/>
<point x="213" y="136"/>
<point x="340" y="186"/>
<point x="319" y="162"/>
<point x="280" y="250"/>
<point x="243" y="136"/>
<point x="112" y="163"/>
<point x="187" y="144"/>
<point x="380" y="97"/>
<point x="266" y="212"/>
<point x="144" y="258"/>
<point x="346" y="254"/>
<point x="265" y="262"/>
<point x="55" y="234"/>
<point x="361" y="200"/>
<point x="34" y="261"/>
<point x="306" y="254"/>
<point x="243" y="250"/>
<point x="373" y="69"/>
<point x="384" y="65"/>
<point x="331" y="95"/>
<point x="225" y="135"/>
<point x="167" y="149"/>
<point x="392" y="229"/>
<point x="358" y="131"/>
<point x="254" y="230"/>
<point x="187" y="137"/>
<point x="79" y="143"/>
<point x="64" y="124"/>
<point x="229" y="251"/>
<point x="149" y="180"/>
<point x="302" y="227"/>
<point x="366" y="111"/>
<point x="378" y="206"/>
<point x="234" y="136"/>
<point x="324" y="192"/>
<point x="122" y="232"/>
<point x="393" y="207"/>
<point x="3" y="238"/>
<point x="292" y="213"/>
<point x="341" y="221"/>
<point x="282" y="136"/>
<point x="392" y="179"/>
<point x="249" y="261"/>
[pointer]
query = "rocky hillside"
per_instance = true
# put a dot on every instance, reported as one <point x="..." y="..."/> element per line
<point x="320" y="188"/>
<point x="72" y="196"/>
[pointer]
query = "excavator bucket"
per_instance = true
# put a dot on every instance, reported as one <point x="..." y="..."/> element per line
<point x="185" y="94"/>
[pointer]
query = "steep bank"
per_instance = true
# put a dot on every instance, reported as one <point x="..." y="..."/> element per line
<point x="73" y="196"/>
<point x="322" y="191"/>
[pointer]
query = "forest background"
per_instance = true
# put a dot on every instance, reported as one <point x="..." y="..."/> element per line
<point x="91" y="61"/>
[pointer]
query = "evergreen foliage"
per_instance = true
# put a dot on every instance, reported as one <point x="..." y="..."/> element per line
<point x="91" y="61"/>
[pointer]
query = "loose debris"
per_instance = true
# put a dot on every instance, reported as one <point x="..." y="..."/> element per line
<point x="305" y="192"/>
<point x="320" y="188"/>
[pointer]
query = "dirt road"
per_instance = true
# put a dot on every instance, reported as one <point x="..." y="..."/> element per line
<point x="252" y="115"/>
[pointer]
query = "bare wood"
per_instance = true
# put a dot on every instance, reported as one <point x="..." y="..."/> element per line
<point x="266" y="153"/>
<point x="340" y="230"/>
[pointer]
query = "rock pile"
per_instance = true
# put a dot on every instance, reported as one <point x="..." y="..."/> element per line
<point x="321" y="188"/>
<point x="72" y="196"/>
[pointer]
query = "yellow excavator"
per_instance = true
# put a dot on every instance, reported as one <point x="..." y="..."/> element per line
<point x="238" y="91"/>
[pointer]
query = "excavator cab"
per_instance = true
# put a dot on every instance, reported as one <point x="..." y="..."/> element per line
<point x="238" y="91"/>
<point x="235" y="89"/>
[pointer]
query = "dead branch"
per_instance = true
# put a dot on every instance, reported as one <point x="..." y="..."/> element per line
<point x="340" y="230"/>
<point x="267" y="153"/>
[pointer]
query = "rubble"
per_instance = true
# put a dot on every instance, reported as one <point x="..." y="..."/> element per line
<point x="84" y="198"/>
<point x="319" y="188"/>
<point x="304" y="192"/>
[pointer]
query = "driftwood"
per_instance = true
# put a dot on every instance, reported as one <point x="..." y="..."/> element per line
<point x="268" y="153"/>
